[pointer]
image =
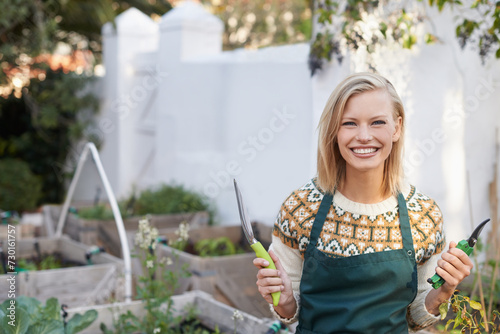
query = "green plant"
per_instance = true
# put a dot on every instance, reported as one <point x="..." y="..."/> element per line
<point x="20" y="189"/>
<point x="156" y="288"/>
<point x="50" y="262"/>
<point x="26" y="265"/>
<point x="182" y="240"/>
<point x="41" y="126"/>
<point x="27" y="315"/>
<point x="216" y="247"/>
<point x="98" y="212"/>
<point x="358" y="24"/>
<point x="170" y="199"/>
<point x="470" y="316"/>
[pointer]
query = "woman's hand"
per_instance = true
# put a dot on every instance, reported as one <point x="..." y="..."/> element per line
<point x="274" y="280"/>
<point x="453" y="266"/>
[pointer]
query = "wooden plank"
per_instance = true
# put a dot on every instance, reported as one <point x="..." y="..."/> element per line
<point x="241" y="290"/>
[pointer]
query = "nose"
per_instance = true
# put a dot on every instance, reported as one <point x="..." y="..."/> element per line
<point x="363" y="134"/>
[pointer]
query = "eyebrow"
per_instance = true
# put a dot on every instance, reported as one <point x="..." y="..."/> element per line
<point x="371" y="118"/>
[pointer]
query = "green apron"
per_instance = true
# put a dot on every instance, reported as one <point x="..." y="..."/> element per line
<point x="366" y="293"/>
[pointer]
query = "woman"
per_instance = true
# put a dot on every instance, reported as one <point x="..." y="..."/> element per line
<point x="354" y="246"/>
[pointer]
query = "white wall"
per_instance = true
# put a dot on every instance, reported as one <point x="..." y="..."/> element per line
<point x="252" y="114"/>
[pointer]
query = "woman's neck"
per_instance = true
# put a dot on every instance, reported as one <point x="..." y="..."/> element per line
<point x="364" y="188"/>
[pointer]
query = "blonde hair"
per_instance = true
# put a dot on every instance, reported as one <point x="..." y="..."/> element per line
<point x="331" y="164"/>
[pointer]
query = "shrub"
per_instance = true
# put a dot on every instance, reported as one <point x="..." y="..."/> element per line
<point x="170" y="199"/>
<point x="20" y="189"/>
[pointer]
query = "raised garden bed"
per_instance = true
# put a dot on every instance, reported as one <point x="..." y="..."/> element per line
<point x="104" y="233"/>
<point x="210" y="312"/>
<point x="73" y="286"/>
<point x="231" y="278"/>
<point x="107" y="233"/>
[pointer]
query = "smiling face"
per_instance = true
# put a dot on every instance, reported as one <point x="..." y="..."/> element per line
<point x="367" y="132"/>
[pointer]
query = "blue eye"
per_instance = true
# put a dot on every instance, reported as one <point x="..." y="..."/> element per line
<point x="349" y="124"/>
<point x="379" y="122"/>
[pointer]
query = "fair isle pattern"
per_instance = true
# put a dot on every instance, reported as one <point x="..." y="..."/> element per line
<point x="347" y="234"/>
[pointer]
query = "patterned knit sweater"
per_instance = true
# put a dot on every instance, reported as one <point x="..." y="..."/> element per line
<point x="354" y="228"/>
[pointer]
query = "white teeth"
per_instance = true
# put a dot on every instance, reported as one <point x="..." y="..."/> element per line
<point x="364" y="150"/>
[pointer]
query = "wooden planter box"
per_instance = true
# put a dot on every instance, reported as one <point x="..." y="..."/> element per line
<point x="104" y="233"/>
<point x="107" y="233"/>
<point x="73" y="286"/>
<point x="230" y="279"/>
<point x="211" y="313"/>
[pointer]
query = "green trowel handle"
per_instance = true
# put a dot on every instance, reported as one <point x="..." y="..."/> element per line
<point x="261" y="252"/>
<point x="436" y="280"/>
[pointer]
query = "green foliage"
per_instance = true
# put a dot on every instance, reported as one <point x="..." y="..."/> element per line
<point x="40" y="127"/>
<point x="170" y="199"/>
<point x="260" y="23"/>
<point x="166" y="199"/>
<point x="469" y="316"/>
<point x="28" y="315"/>
<point x="216" y="247"/>
<point x="26" y="265"/>
<point x="20" y="189"/>
<point x="98" y="212"/>
<point x="396" y="23"/>
<point x="349" y="27"/>
<point x="156" y="288"/>
<point x="29" y="28"/>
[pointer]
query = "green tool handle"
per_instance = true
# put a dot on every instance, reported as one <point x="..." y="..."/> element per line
<point x="437" y="280"/>
<point x="261" y="252"/>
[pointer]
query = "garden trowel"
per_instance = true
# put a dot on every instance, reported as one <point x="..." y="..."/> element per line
<point x="256" y="245"/>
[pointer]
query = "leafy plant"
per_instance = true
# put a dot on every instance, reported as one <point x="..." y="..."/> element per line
<point x="50" y="262"/>
<point x="156" y="288"/>
<point x="41" y="125"/>
<point x="170" y="199"/>
<point x="27" y="315"/>
<point x="26" y="265"/>
<point x="470" y="315"/>
<point x="20" y="189"/>
<point x="98" y="212"/>
<point x="365" y="25"/>
<point x="216" y="247"/>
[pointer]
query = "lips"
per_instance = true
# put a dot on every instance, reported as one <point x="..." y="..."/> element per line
<point x="365" y="150"/>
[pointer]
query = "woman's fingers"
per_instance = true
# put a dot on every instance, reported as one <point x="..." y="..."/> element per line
<point x="454" y="266"/>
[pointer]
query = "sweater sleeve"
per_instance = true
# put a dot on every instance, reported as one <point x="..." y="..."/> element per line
<point x="417" y="315"/>
<point x="291" y="261"/>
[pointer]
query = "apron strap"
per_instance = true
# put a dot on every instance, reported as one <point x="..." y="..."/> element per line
<point x="404" y="224"/>
<point x="319" y="220"/>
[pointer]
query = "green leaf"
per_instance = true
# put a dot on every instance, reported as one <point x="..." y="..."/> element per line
<point x="19" y="325"/>
<point x="52" y="310"/>
<point x="430" y="38"/>
<point x="79" y="322"/>
<point x="443" y="310"/>
<point x="475" y="305"/>
<point x="31" y="305"/>
<point x="47" y="327"/>
<point x="458" y="321"/>
<point x="383" y="28"/>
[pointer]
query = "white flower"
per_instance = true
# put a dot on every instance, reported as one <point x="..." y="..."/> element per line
<point x="237" y="315"/>
<point x="156" y="330"/>
<point x="146" y="235"/>
<point x="183" y="231"/>
<point x="149" y="264"/>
